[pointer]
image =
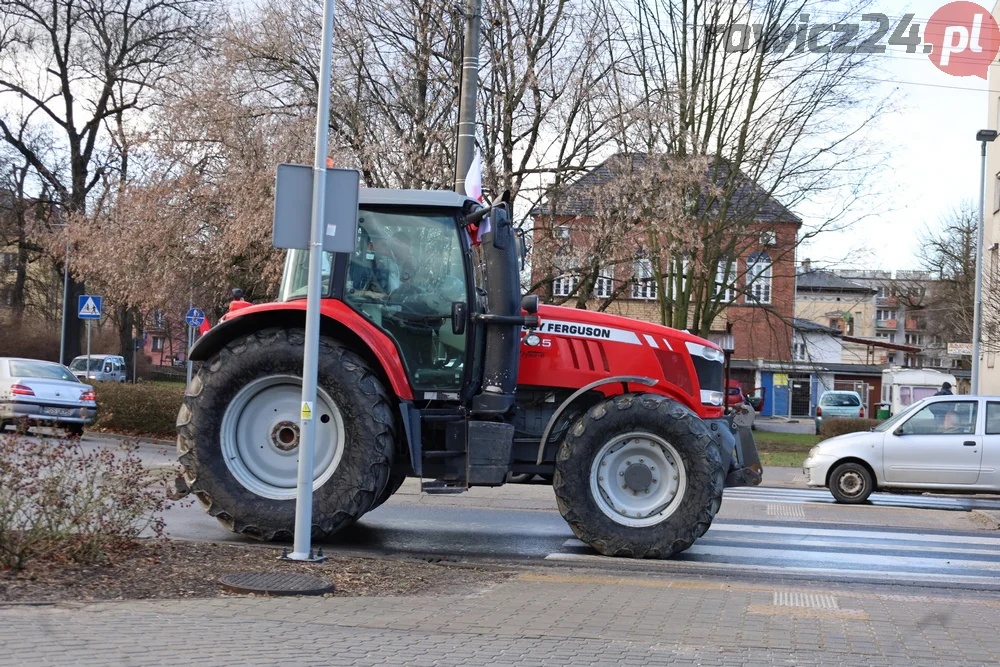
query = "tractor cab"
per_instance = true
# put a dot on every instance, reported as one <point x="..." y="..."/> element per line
<point x="416" y="276"/>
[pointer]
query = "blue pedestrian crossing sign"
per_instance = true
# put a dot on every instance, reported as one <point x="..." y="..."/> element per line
<point x="195" y="317"/>
<point x="89" y="307"/>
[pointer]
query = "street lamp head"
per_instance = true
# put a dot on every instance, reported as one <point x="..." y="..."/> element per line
<point x="986" y="135"/>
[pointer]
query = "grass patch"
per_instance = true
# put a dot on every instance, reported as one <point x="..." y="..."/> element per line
<point x="784" y="449"/>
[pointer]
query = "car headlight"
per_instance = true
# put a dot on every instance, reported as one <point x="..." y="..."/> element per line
<point x="813" y="452"/>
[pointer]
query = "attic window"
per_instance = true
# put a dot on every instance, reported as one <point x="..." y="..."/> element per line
<point x="768" y="239"/>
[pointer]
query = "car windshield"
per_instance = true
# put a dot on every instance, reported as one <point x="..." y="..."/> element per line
<point x="891" y="423"/>
<point x="39" y="369"/>
<point x="840" y="400"/>
<point x="80" y="364"/>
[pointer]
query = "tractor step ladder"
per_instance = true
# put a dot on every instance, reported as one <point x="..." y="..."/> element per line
<point x="440" y="487"/>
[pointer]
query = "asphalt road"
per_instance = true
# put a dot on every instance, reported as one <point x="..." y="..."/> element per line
<point x="784" y="531"/>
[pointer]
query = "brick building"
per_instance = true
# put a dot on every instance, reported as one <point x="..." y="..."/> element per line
<point x="746" y="279"/>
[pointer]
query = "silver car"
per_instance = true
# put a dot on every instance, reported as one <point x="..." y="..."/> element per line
<point x="44" y="392"/>
<point x="103" y="368"/>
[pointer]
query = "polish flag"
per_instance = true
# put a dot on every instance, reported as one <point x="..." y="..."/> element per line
<point x="474" y="189"/>
<point x="204" y="328"/>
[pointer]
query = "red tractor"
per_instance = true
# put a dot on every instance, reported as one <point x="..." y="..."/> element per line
<point x="433" y="365"/>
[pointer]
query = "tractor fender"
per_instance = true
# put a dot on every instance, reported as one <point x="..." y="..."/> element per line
<point x="624" y="379"/>
<point x="338" y="321"/>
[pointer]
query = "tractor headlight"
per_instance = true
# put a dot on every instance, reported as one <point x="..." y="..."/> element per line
<point x="533" y="340"/>
<point x="711" y="397"/>
<point x="706" y="352"/>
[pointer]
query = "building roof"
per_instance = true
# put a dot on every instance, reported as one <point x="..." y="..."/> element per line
<point x="878" y="342"/>
<point x="808" y="367"/>
<point x="814" y="327"/>
<point x="577" y="199"/>
<point x="816" y="280"/>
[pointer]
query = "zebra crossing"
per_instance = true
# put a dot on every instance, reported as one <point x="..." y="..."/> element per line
<point x="917" y="557"/>
<point x="917" y="501"/>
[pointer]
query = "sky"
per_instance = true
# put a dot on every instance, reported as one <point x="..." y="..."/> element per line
<point x="934" y="163"/>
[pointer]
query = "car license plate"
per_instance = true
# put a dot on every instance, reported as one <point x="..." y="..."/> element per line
<point x="57" y="412"/>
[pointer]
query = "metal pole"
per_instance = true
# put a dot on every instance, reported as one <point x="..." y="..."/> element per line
<point x="465" y="150"/>
<point x="87" y="375"/>
<point x="189" y="343"/>
<point x="977" y="317"/>
<point x="302" y="547"/>
<point x="65" y="308"/>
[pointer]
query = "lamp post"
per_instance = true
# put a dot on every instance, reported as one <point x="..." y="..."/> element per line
<point x="983" y="137"/>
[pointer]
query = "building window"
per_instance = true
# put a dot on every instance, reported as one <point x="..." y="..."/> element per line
<point x="157" y="343"/>
<point x="565" y="285"/>
<point x="6" y="296"/>
<point x="799" y="351"/>
<point x="914" y="339"/>
<point x="643" y="282"/>
<point x="8" y="262"/>
<point x="725" y="279"/>
<point x="836" y="323"/>
<point x="604" y="286"/>
<point x="996" y="194"/>
<point x="759" y="277"/>
<point x="935" y="363"/>
<point x="560" y="232"/>
<point x="158" y="319"/>
<point x="883" y="315"/>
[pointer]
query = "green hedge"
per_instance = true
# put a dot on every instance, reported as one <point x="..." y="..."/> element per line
<point x="840" y="425"/>
<point x="146" y="409"/>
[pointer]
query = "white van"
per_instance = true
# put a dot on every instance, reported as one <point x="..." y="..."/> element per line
<point x="902" y="387"/>
<point x="103" y="368"/>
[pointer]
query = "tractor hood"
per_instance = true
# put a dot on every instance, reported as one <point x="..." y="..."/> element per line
<point x="591" y="324"/>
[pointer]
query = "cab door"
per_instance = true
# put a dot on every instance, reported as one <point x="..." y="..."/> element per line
<point x="406" y="276"/>
<point x="941" y="443"/>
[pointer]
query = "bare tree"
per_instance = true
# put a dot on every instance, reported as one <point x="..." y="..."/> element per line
<point x="67" y="69"/>
<point x="949" y="253"/>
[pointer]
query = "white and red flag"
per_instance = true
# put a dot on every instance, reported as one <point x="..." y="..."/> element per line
<point x="474" y="189"/>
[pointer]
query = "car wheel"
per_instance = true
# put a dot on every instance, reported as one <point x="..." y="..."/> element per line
<point x="851" y="483"/>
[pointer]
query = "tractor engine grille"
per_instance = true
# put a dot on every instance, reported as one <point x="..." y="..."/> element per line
<point x="710" y="373"/>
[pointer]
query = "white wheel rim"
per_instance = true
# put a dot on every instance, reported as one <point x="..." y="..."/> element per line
<point x="851" y="483"/>
<point x="638" y="479"/>
<point x="260" y="436"/>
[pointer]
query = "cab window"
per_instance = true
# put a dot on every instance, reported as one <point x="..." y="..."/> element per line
<point x="943" y="418"/>
<point x="406" y="272"/>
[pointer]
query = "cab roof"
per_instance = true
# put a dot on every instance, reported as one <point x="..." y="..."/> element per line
<point x="390" y="197"/>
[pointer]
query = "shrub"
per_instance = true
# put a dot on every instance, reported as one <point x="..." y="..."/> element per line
<point x="841" y="425"/>
<point x="148" y="409"/>
<point x="58" y="501"/>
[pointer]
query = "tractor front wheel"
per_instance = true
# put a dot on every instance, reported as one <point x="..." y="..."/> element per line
<point x="639" y="476"/>
<point x="238" y="435"/>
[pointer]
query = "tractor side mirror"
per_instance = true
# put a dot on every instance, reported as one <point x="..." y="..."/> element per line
<point x="522" y="247"/>
<point x="459" y="314"/>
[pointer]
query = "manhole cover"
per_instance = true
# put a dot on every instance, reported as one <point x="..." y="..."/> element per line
<point x="275" y="583"/>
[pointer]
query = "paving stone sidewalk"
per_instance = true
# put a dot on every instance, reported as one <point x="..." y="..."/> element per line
<point x="544" y="616"/>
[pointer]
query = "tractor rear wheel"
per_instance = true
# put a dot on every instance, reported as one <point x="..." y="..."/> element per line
<point x="639" y="476"/>
<point x="238" y="435"/>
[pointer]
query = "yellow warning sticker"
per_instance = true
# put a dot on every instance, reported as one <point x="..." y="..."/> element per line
<point x="307" y="410"/>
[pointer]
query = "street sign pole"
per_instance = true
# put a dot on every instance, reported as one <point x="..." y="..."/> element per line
<point x="89" y="308"/>
<point x="189" y="344"/>
<point x="302" y="545"/>
<point x="88" y="350"/>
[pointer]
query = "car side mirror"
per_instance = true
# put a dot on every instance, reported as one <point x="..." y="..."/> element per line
<point x="459" y="314"/>
<point x="898" y="431"/>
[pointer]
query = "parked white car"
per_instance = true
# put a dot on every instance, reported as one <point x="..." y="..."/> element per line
<point x="942" y="443"/>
